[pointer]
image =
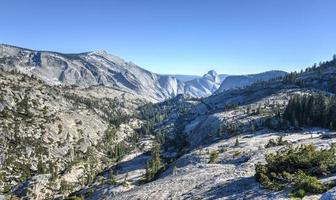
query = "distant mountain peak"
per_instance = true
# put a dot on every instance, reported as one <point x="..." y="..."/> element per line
<point x="212" y="73"/>
<point x="100" y="52"/>
<point x="111" y="57"/>
<point x="213" y="76"/>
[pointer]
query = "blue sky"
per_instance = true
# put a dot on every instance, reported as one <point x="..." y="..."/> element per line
<point x="180" y="36"/>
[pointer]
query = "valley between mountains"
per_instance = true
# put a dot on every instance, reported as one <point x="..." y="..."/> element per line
<point x="93" y="126"/>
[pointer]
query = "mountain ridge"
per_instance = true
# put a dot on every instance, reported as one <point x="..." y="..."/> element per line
<point x="237" y="81"/>
<point x="101" y="68"/>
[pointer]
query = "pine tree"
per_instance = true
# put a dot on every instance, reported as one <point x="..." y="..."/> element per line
<point x="154" y="164"/>
<point x="213" y="156"/>
<point x="125" y="184"/>
<point x="237" y="142"/>
<point x="112" y="177"/>
<point x="248" y="109"/>
<point x="40" y="167"/>
<point x="311" y="110"/>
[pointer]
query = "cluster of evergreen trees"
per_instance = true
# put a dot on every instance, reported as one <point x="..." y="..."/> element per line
<point x="153" y="165"/>
<point x="119" y="150"/>
<point x="312" y="110"/>
<point x="322" y="65"/>
<point x="291" y="78"/>
<point x="152" y="114"/>
<point x="155" y="114"/>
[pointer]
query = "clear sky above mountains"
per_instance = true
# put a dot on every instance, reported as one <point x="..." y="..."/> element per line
<point x="180" y="36"/>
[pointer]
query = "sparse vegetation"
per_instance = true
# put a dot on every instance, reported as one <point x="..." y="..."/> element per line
<point x="277" y="142"/>
<point x="236" y="142"/>
<point x="74" y="198"/>
<point x="213" y="156"/>
<point x="34" y="111"/>
<point x="236" y="154"/>
<point x="154" y="164"/>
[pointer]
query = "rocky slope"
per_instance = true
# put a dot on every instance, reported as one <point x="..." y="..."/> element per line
<point x="191" y="176"/>
<point x="185" y="78"/>
<point x="54" y="140"/>
<point x="233" y="82"/>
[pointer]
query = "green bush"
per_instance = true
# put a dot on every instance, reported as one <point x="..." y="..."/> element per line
<point x="300" y="167"/>
<point x="298" y="194"/>
<point x="213" y="156"/>
<point x="308" y="183"/>
<point x="278" y="142"/>
<point x="306" y="158"/>
<point x="75" y="198"/>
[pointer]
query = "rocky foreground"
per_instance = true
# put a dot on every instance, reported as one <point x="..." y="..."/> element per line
<point x="231" y="177"/>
